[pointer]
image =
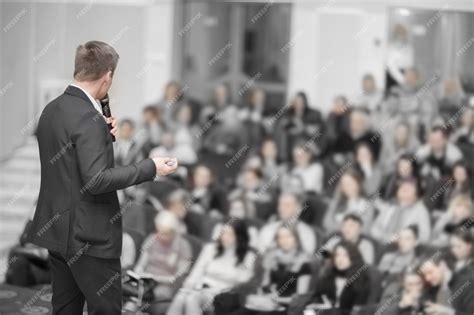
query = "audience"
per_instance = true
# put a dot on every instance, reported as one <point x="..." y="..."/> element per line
<point x="299" y="211"/>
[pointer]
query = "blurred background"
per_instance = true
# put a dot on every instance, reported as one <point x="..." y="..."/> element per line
<point x="268" y="105"/>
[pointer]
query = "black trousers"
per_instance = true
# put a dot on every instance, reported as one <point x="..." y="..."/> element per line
<point x="80" y="278"/>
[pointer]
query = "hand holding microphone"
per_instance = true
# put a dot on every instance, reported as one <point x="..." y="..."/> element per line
<point x="108" y="115"/>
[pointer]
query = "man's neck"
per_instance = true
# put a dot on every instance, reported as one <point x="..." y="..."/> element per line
<point x="87" y="86"/>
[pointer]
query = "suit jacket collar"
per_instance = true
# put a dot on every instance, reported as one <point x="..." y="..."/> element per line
<point x="75" y="91"/>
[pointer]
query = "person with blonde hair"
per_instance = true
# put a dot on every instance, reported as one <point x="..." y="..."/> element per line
<point x="460" y="214"/>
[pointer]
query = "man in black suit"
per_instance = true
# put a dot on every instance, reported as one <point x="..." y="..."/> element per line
<point x="76" y="215"/>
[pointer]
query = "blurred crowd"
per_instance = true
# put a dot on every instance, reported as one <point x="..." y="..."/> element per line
<point x="284" y="209"/>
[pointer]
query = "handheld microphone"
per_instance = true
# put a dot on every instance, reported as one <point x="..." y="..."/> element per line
<point x="106" y="111"/>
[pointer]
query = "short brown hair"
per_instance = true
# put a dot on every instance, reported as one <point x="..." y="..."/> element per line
<point x="93" y="60"/>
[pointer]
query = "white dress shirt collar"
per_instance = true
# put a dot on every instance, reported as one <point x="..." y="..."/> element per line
<point x="93" y="101"/>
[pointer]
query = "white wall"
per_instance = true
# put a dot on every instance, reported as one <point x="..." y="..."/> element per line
<point x="40" y="45"/>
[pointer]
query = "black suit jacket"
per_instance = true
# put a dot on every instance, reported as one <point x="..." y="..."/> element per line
<point x="78" y="211"/>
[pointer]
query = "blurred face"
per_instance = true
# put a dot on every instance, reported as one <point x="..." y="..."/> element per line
<point x="184" y="115"/>
<point x="220" y="95"/>
<point x="406" y="241"/>
<point x="178" y="208"/>
<point x="349" y="186"/>
<point x="358" y="123"/>
<point x="461" y="212"/>
<point x="149" y="117"/>
<point x="167" y="140"/>
<point x="258" y="97"/>
<point x="228" y="237"/>
<point x="437" y="141"/>
<point x="269" y="149"/>
<point x="251" y="180"/>
<point x="401" y="134"/>
<point x="406" y="194"/>
<point x="285" y="239"/>
<point x="342" y="261"/>
<point x="413" y="283"/>
<point x="432" y="273"/>
<point x="459" y="248"/>
<point x="171" y="91"/>
<point x="368" y="85"/>
<point x="126" y="131"/>
<point x="460" y="174"/>
<point x="405" y="168"/>
<point x="301" y="157"/>
<point x="298" y="103"/>
<point x="467" y="118"/>
<point x="287" y="207"/>
<point x="350" y="230"/>
<point x="202" y="177"/>
<point x="411" y="77"/>
<point x="166" y="234"/>
<point x="364" y="155"/>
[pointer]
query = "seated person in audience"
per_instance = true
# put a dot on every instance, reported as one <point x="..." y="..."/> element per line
<point x="409" y="300"/>
<point x="463" y="135"/>
<point x="184" y="132"/>
<point x="351" y="231"/>
<point x="252" y="117"/>
<point x="406" y="104"/>
<point x="173" y="96"/>
<point x="220" y="130"/>
<point x="251" y="190"/>
<point x="286" y="272"/>
<point x="184" y="152"/>
<point x="304" y="166"/>
<point x="406" y="210"/>
<point x="289" y="211"/>
<point x="299" y="121"/>
<point x="370" y="168"/>
<point x="395" y="262"/>
<point x="153" y="127"/>
<point x="348" y="198"/>
<point x="406" y="169"/>
<point x="342" y="286"/>
<point x="238" y="211"/>
<point x="221" y="266"/>
<point x="460" y="214"/>
<point x="461" y="183"/>
<point x="438" y="155"/>
<point x="165" y="256"/>
<point x="359" y="130"/>
<point x="396" y="144"/>
<point x="268" y="161"/>
<point x="449" y="288"/>
<point x="371" y="96"/>
<point x="452" y="98"/>
<point x="126" y="149"/>
<point x="337" y="121"/>
<point x="207" y="197"/>
<point x="129" y="251"/>
<point x="178" y="203"/>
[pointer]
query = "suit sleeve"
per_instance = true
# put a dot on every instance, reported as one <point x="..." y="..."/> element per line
<point x="91" y="153"/>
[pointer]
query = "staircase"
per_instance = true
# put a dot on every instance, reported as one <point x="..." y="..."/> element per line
<point x="19" y="188"/>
